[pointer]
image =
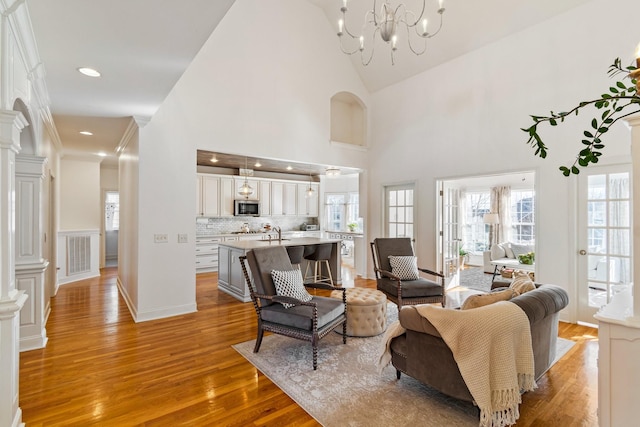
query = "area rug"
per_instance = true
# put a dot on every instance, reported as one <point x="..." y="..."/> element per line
<point x="348" y="390"/>
<point x="476" y="278"/>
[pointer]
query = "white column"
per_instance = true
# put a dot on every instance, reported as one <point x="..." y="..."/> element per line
<point x="11" y="299"/>
<point x="30" y="266"/>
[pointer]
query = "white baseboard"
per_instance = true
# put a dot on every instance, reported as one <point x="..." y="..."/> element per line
<point x="154" y="314"/>
<point x="34" y="342"/>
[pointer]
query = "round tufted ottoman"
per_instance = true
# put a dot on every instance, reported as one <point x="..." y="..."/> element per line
<point x="366" y="311"/>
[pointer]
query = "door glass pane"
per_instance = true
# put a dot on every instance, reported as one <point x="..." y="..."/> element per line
<point x="620" y="242"/>
<point x="393" y="214"/>
<point x="619" y="186"/>
<point x="597" y="188"/>
<point x="596" y="213"/>
<point x="619" y="214"/>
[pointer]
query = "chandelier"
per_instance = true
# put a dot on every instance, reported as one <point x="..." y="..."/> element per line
<point x="246" y="189"/>
<point x="387" y="23"/>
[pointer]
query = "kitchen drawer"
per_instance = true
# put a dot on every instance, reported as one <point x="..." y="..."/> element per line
<point x="208" y="240"/>
<point x="207" y="261"/>
<point x="207" y="249"/>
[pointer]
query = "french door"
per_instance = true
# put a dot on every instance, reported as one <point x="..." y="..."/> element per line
<point x="605" y="237"/>
<point x="450" y="233"/>
<point x="399" y="211"/>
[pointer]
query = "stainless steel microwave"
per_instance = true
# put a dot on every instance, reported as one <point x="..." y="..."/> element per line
<point x="245" y="207"/>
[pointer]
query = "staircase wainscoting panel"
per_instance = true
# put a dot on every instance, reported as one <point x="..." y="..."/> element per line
<point x="78" y="255"/>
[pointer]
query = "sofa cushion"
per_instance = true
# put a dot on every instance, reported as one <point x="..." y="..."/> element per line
<point x="405" y="267"/>
<point x="497" y="252"/>
<point x="521" y="249"/>
<point x="289" y="283"/>
<point x="475" y="301"/>
<point x="507" y="249"/>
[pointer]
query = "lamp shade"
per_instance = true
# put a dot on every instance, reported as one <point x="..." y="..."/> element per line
<point x="491" y="218"/>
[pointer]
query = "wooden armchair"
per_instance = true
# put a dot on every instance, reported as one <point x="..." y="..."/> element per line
<point x="309" y="321"/>
<point x="403" y="291"/>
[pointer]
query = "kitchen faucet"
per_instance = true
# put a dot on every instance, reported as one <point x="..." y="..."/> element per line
<point x="278" y="230"/>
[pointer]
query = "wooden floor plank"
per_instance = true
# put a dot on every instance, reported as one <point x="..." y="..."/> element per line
<point x="101" y="368"/>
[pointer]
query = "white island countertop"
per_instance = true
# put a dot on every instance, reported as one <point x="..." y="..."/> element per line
<point x="231" y="279"/>
<point x="247" y="245"/>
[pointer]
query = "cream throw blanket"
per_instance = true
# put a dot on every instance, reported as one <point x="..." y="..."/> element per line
<point x="495" y="358"/>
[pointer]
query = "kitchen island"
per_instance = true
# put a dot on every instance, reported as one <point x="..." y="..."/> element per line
<point x="230" y="276"/>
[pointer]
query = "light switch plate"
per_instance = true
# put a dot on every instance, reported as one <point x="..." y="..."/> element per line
<point x="182" y="238"/>
<point x="161" y="238"/>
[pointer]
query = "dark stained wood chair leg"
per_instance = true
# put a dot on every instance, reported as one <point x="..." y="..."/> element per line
<point x="258" y="339"/>
<point x="398" y="373"/>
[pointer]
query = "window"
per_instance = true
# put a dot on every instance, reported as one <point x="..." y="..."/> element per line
<point x="475" y="233"/>
<point x="112" y="211"/>
<point x="341" y="209"/>
<point x="523" y="216"/>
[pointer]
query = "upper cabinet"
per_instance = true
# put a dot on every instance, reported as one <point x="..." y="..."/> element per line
<point x="227" y="195"/>
<point x="308" y="204"/>
<point x="283" y="198"/>
<point x="265" y="198"/>
<point x="216" y="195"/>
<point x="208" y="195"/>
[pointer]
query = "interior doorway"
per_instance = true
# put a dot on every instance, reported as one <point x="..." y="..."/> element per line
<point x="111" y="227"/>
<point x="463" y="226"/>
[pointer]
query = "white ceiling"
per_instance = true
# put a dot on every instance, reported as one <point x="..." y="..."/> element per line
<point x="142" y="47"/>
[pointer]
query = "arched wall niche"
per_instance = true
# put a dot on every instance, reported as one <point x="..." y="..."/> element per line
<point x="27" y="137"/>
<point x="348" y="119"/>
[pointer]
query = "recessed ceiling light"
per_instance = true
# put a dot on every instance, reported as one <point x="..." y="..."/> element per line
<point x="289" y="168"/>
<point x="102" y="154"/>
<point x="213" y="160"/>
<point x="257" y="165"/>
<point x="86" y="132"/>
<point x="89" y="72"/>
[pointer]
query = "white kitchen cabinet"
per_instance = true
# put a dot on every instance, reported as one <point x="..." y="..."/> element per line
<point x="265" y="198"/>
<point x="207" y="253"/>
<point x="283" y="198"/>
<point x="208" y="195"/>
<point x="277" y="198"/>
<point x="227" y="196"/>
<point x="307" y="205"/>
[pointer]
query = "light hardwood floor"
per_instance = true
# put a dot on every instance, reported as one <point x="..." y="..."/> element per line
<point x="101" y="368"/>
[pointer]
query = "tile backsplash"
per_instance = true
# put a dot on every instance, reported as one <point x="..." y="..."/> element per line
<point x="214" y="226"/>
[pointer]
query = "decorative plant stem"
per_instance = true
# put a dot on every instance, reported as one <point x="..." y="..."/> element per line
<point x="614" y="103"/>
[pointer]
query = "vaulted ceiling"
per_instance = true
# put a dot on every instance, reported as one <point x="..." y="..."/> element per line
<point x="142" y="47"/>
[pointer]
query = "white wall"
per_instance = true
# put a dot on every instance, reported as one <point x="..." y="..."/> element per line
<point x="79" y="194"/>
<point x="261" y="86"/>
<point x="481" y="100"/>
<point x="129" y="224"/>
<point x="109" y="177"/>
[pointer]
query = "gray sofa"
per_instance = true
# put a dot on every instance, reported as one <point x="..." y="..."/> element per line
<point x="422" y="354"/>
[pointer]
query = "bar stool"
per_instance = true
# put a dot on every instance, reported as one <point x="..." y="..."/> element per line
<point x="318" y="257"/>
<point x="295" y="255"/>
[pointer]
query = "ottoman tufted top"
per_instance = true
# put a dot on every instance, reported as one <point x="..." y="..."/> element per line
<point x="362" y="296"/>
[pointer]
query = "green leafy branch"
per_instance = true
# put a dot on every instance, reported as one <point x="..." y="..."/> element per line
<point x="619" y="98"/>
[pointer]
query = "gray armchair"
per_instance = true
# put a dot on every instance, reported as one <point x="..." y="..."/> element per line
<point x="309" y="321"/>
<point x="404" y="292"/>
